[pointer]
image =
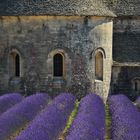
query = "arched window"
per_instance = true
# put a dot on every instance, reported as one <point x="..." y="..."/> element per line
<point x="17" y="65"/>
<point x="14" y="64"/>
<point x="99" y="66"/>
<point x="58" y="65"/>
<point x="136" y="84"/>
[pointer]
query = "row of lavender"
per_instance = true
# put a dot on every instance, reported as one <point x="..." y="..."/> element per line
<point x="48" y="124"/>
<point x="52" y="120"/>
<point x="88" y="124"/>
<point x="8" y="100"/>
<point x="90" y="120"/>
<point x="125" y="118"/>
<point x="20" y="114"/>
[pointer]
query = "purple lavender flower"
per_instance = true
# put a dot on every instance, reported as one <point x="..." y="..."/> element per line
<point x="89" y="123"/>
<point x="125" y="118"/>
<point x="19" y="115"/>
<point x="8" y="100"/>
<point x="50" y="123"/>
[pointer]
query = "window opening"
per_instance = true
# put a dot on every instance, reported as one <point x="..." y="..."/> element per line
<point x="58" y="65"/>
<point x="99" y="66"/>
<point x="17" y="65"/>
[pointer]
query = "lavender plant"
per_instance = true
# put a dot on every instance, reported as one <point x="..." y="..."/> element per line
<point x="8" y="100"/>
<point x="22" y="113"/>
<point x="89" y="123"/>
<point x="125" y="118"/>
<point x="49" y="124"/>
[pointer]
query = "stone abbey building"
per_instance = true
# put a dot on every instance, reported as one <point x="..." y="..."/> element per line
<point x="77" y="46"/>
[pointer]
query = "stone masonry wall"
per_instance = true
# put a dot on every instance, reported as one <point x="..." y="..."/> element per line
<point x="38" y="38"/>
<point x="126" y="39"/>
<point x="123" y="81"/>
<point x="126" y="52"/>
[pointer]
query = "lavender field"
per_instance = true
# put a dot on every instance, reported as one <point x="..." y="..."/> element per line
<point x="38" y="117"/>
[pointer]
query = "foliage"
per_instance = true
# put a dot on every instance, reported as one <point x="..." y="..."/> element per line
<point x="67" y="118"/>
<point x="49" y="124"/>
<point x="108" y="122"/>
<point x="8" y="100"/>
<point x="113" y="1"/>
<point x="70" y="121"/>
<point x="125" y="119"/>
<point x="89" y="123"/>
<point x="17" y="116"/>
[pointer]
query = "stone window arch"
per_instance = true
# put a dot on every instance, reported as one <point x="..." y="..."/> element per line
<point x="63" y="58"/>
<point x="15" y="64"/>
<point x="58" y="65"/>
<point x="136" y="84"/>
<point x="99" y="65"/>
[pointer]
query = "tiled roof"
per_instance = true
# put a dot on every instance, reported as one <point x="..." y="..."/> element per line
<point x="54" y="7"/>
<point x="71" y="7"/>
<point x="124" y="7"/>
